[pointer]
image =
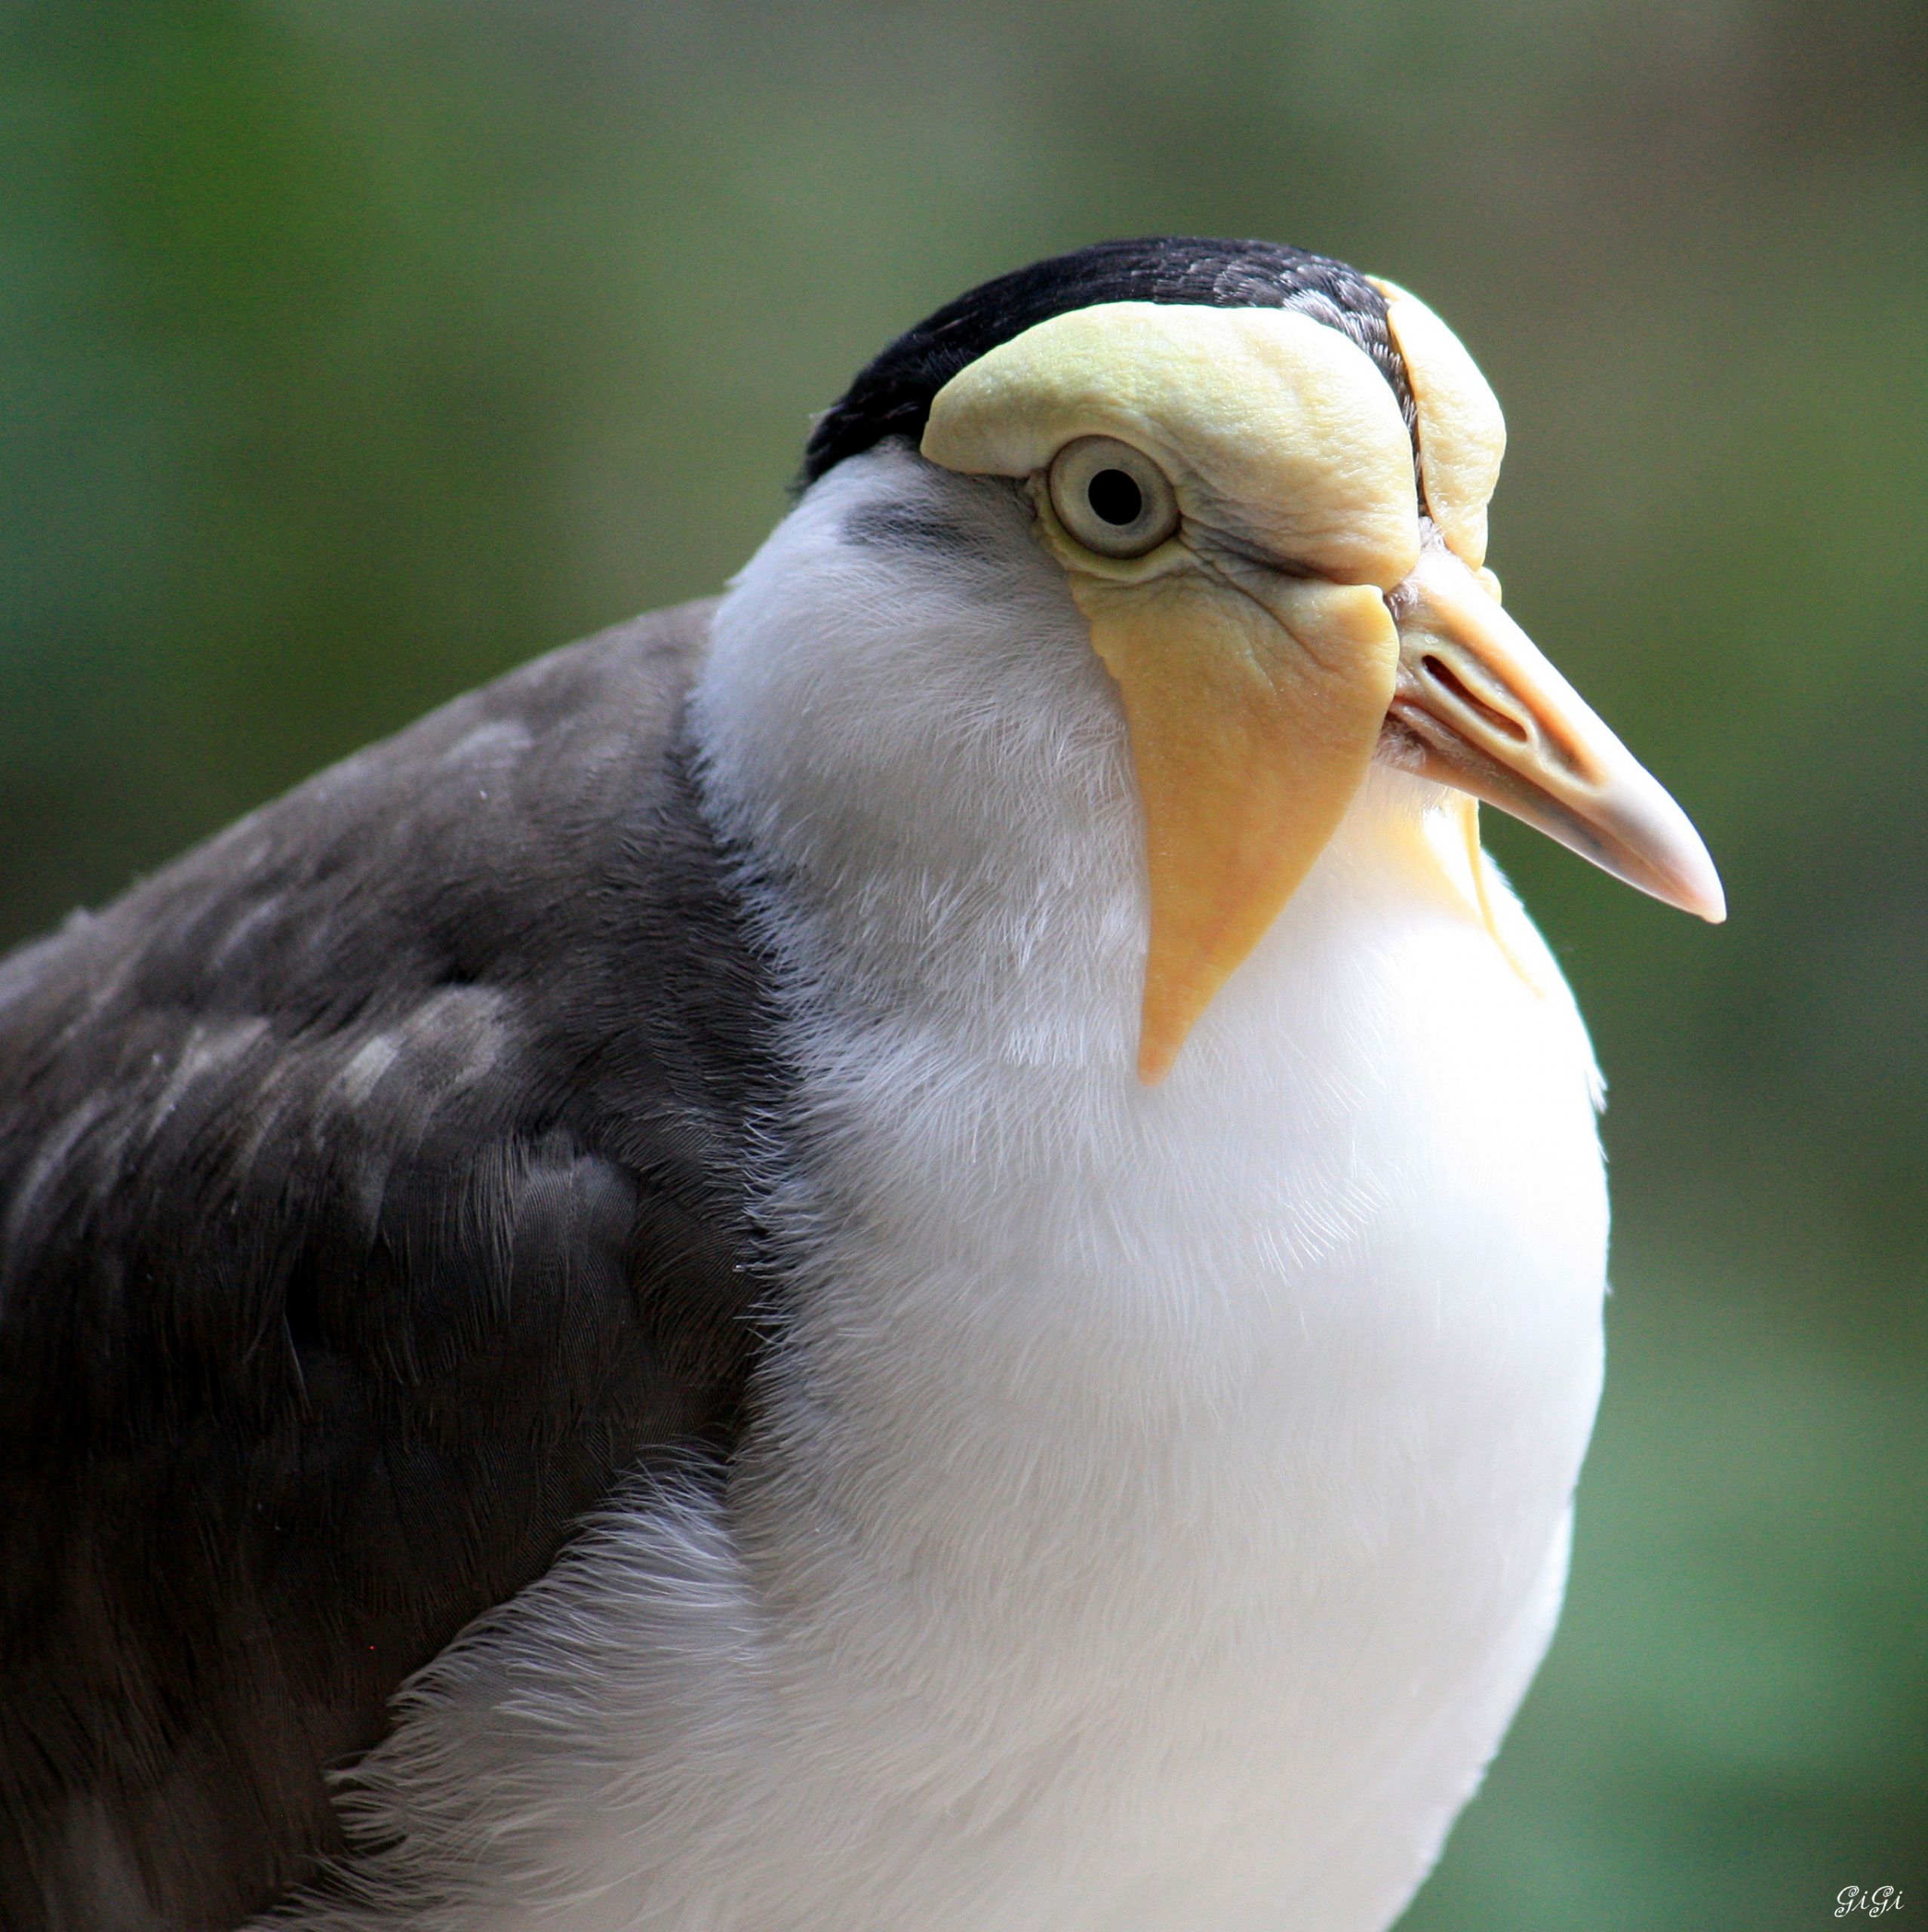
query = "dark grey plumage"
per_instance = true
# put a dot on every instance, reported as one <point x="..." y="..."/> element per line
<point x="374" y="1199"/>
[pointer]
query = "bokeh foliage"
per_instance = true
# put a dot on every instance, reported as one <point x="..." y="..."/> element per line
<point x="354" y="350"/>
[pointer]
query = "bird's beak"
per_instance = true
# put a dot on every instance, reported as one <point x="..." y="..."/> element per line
<point x="1480" y="709"/>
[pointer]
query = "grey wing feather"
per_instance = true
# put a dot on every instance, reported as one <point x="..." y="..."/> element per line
<point x="371" y="1201"/>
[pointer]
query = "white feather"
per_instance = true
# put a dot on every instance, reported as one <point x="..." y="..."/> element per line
<point x="1158" y="1501"/>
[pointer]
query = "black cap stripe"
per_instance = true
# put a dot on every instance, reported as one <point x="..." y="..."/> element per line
<point x="892" y="396"/>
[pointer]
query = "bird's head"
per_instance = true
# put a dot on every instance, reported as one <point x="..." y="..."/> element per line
<point x="1265" y="479"/>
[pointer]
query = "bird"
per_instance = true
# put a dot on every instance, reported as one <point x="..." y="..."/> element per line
<point x="920" y="1249"/>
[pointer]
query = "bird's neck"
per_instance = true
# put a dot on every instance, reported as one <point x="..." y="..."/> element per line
<point x="1373" y="1166"/>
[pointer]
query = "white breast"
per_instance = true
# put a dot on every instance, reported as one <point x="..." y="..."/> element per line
<point x="1160" y="1502"/>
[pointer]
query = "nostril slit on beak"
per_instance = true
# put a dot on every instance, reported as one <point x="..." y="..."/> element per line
<point x="1443" y="675"/>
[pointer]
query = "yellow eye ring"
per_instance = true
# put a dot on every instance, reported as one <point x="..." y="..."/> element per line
<point x="1111" y="498"/>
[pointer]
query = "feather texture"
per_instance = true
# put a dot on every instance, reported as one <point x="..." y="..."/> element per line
<point x="373" y="1196"/>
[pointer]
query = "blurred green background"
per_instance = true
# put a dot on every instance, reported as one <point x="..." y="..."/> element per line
<point x="353" y="350"/>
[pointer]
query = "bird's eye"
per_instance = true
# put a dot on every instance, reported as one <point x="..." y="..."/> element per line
<point x="1113" y="499"/>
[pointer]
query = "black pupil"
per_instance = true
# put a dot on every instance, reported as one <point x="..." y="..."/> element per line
<point x="1114" y="496"/>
